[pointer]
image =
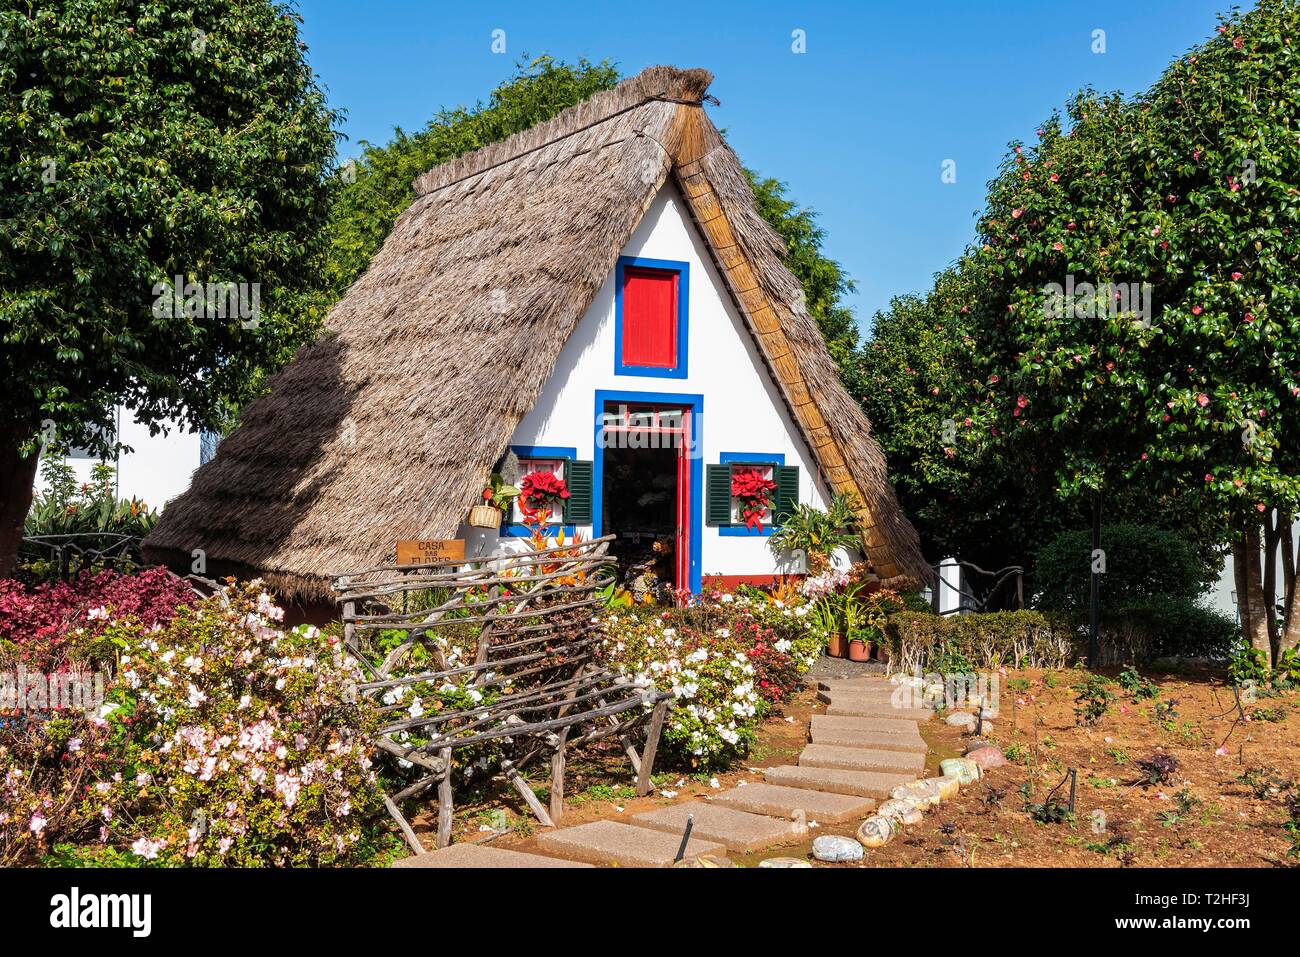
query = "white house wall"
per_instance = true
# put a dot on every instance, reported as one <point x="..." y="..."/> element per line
<point x="158" y="467"/>
<point x="743" y="410"/>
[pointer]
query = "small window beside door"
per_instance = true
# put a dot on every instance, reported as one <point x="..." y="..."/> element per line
<point x="650" y="317"/>
<point x="564" y="464"/>
<point x="723" y="508"/>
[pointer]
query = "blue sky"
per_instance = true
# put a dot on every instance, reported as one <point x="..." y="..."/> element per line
<point x="859" y="125"/>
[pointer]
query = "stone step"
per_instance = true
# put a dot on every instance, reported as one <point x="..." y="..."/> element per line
<point x="738" y="830"/>
<point x="870" y="707"/>
<point x="843" y="722"/>
<point x="823" y="807"/>
<point x="854" y="738"/>
<point x="857" y="686"/>
<point x="860" y="759"/>
<point x="876" y="784"/>
<point x="481" y="855"/>
<point x="610" y="842"/>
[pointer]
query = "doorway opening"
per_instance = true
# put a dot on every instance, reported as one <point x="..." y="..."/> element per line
<point x="646" y="496"/>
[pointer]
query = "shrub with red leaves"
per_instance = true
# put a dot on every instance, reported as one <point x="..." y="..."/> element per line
<point x="43" y="621"/>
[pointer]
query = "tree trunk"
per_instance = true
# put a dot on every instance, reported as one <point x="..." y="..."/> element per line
<point x="1270" y="582"/>
<point x="1287" y="542"/>
<point x="1254" y="624"/>
<point x="17" y="473"/>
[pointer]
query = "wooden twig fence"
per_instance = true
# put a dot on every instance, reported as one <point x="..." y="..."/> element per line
<point x="503" y="654"/>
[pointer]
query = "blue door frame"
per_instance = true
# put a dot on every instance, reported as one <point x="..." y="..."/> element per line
<point x="696" y="404"/>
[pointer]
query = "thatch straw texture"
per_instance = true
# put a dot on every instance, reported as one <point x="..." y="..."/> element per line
<point x="386" y="427"/>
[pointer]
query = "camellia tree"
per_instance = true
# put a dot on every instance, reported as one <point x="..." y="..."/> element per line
<point x="166" y="175"/>
<point x="1136" y="311"/>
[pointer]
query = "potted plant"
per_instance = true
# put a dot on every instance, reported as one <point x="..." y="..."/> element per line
<point x="860" y="645"/>
<point x="497" y="497"/>
<point x="817" y="533"/>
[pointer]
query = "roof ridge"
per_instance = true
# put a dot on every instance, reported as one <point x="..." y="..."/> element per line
<point x="654" y="83"/>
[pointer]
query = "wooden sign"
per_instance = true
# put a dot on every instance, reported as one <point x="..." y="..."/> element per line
<point x="431" y="551"/>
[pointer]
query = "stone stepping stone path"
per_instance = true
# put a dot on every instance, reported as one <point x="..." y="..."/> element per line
<point x="825" y="807"/>
<point x="609" y="842"/>
<point x="483" y="855"/>
<point x="738" y="830"/>
<point x="873" y="784"/>
<point x="862" y="751"/>
<point x="861" y="738"/>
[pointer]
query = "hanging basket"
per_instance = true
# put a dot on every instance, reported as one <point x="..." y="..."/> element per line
<point x="485" y="516"/>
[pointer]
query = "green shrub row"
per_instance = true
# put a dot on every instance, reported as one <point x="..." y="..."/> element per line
<point x="919" y="641"/>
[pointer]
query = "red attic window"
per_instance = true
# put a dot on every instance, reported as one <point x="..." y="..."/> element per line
<point x="649" y="317"/>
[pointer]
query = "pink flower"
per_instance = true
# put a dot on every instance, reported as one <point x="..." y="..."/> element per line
<point x="1236" y="275"/>
<point x="1017" y="213"/>
<point x="37" y="823"/>
<point x="1202" y="399"/>
<point x="1055" y="177"/>
<point x="1197" y="310"/>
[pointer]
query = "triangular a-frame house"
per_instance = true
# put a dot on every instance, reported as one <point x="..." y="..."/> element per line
<point x="604" y="274"/>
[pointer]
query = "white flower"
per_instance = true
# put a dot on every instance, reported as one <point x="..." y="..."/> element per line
<point x="148" y="849"/>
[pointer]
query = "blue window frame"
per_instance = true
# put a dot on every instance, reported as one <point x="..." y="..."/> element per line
<point x="683" y="270"/>
<point x="750" y="458"/>
<point x="516" y="530"/>
<point x="696" y="404"/>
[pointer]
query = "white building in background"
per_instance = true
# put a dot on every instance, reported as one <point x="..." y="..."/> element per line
<point x="156" y="469"/>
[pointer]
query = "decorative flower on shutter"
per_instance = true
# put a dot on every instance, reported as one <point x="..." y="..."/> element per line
<point x="754" y="490"/>
<point x="541" y="490"/>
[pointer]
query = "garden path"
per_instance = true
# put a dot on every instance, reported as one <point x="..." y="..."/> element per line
<point x="861" y="750"/>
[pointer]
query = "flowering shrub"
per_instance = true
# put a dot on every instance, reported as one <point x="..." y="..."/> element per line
<point x="43" y="626"/>
<point x="728" y="660"/>
<point x="227" y="741"/>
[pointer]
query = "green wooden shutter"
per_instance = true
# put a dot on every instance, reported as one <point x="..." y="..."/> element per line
<point x="717" y="482"/>
<point x="787" y="492"/>
<point x="577" y="507"/>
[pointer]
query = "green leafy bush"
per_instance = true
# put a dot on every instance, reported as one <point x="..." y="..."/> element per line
<point x="1141" y="563"/>
<point x="1165" y="627"/>
<point x="67" y="507"/>
<point x="919" y="641"/>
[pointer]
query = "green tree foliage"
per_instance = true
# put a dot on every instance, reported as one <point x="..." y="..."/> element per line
<point x="824" y="282"/>
<point x="140" y="141"/>
<point x="1191" y="189"/>
<point x="1177" y="400"/>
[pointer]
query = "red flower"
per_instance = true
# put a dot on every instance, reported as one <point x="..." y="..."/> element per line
<point x="754" y="490"/>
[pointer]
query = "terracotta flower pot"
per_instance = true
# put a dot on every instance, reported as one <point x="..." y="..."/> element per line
<point x="836" y="646"/>
<point x="485" y="516"/>
<point x="859" y="650"/>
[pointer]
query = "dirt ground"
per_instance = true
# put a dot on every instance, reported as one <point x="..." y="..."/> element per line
<point x="1203" y="815"/>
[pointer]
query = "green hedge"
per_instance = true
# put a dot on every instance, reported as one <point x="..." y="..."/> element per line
<point x="1164" y="627"/>
<point x="1028" y="639"/>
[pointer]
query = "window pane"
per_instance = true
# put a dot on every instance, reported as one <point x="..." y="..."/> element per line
<point x="649" y="317"/>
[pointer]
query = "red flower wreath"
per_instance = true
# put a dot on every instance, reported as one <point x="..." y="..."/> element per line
<point x="754" y="490"/>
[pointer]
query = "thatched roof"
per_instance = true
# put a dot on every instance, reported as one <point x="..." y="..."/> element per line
<point x="386" y="427"/>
